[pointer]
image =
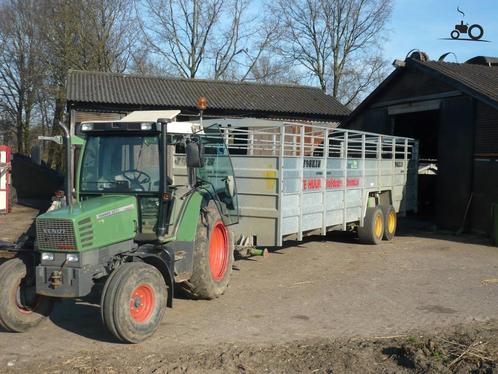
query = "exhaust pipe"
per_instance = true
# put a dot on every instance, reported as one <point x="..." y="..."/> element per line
<point x="69" y="187"/>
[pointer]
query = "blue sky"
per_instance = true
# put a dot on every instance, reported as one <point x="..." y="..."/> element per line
<point x="422" y="23"/>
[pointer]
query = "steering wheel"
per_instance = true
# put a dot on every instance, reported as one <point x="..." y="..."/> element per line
<point x="137" y="178"/>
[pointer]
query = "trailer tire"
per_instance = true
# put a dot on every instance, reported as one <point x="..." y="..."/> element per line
<point x="134" y="302"/>
<point x="213" y="256"/>
<point x="390" y="222"/>
<point x="20" y="307"/>
<point x="372" y="230"/>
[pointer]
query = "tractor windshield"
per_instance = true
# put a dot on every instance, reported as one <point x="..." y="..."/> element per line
<point x="126" y="163"/>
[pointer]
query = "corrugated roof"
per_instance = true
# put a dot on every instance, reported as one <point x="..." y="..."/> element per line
<point x="480" y="81"/>
<point x="122" y="89"/>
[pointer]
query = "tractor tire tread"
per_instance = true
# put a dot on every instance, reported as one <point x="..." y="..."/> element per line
<point x="202" y="284"/>
<point x="10" y="318"/>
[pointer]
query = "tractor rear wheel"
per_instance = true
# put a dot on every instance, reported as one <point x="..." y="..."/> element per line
<point x="20" y="307"/>
<point x="134" y="302"/>
<point x="372" y="230"/>
<point x="213" y="256"/>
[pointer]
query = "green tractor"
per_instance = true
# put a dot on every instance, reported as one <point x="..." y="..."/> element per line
<point x="150" y="209"/>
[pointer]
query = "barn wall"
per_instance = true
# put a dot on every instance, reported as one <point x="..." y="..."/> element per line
<point x="485" y="184"/>
<point x="405" y="87"/>
<point x="486" y="136"/>
<point x="97" y="116"/>
<point x="412" y="83"/>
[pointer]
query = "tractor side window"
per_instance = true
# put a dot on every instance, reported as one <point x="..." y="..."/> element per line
<point x="218" y="174"/>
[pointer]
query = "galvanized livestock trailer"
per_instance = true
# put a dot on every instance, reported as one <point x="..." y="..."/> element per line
<point x="295" y="179"/>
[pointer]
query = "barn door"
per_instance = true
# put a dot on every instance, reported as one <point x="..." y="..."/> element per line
<point x="456" y="138"/>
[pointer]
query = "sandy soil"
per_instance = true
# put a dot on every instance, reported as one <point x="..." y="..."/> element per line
<point x="324" y="305"/>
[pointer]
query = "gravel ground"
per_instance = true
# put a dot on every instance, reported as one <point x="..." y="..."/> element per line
<point x="16" y="223"/>
<point x="324" y="305"/>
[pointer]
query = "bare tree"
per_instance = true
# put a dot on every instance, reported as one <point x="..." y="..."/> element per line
<point x="144" y="62"/>
<point x="108" y="34"/>
<point x="270" y="69"/>
<point x="338" y="42"/>
<point x="19" y="65"/>
<point x="85" y="35"/>
<point x="226" y="44"/>
<point x="215" y="38"/>
<point x="179" y="31"/>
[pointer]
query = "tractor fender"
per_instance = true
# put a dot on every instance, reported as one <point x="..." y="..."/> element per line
<point x="163" y="260"/>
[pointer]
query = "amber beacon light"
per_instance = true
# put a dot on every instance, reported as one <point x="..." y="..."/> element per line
<point x="202" y="103"/>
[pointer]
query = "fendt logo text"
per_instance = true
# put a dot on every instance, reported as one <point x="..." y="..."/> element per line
<point x="54" y="231"/>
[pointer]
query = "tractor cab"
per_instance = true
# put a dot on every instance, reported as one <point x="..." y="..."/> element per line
<point x="149" y="155"/>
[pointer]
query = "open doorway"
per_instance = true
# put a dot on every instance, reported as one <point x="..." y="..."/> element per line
<point x="423" y="126"/>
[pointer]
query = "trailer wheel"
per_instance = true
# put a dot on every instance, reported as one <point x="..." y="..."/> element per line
<point x="372" y="230"/>
<point x="134" y="302"/>
<point x="20" y="307"/>
<point x="390" y="222"/>
<point x="213" y="256"/>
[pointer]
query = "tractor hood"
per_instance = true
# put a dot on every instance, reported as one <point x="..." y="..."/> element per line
<point x="90" y="224"/>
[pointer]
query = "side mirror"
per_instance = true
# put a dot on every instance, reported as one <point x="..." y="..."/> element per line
<point x="195" y="155"/>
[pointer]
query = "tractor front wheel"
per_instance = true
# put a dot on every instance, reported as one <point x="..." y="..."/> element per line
<point x="134" y="301"/>
<point x="20" y="307"/>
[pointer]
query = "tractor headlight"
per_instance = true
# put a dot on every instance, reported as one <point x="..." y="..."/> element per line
<point x="71" y="257"/>
<point x="45" y="256"/>
<point x="146" y="126"/>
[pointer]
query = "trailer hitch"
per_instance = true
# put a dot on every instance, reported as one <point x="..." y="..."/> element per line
<point x="56" y="279"/>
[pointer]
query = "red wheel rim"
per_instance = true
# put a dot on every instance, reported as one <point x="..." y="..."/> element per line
<point x="25" y="309"/>
<point x="218" y="251"/>
<point x="142" y="303"/>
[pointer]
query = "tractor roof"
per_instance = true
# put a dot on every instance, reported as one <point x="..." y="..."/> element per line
<point x="153" y="116"/>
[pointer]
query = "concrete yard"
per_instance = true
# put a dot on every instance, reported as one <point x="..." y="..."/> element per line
<point x="324" y="288"/>
<point x="16" y="223"/>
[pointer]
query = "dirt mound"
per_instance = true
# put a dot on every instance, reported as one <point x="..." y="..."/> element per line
<point x="461" y="349"/>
